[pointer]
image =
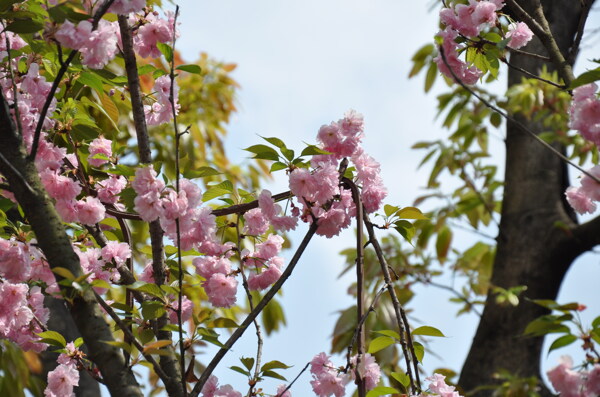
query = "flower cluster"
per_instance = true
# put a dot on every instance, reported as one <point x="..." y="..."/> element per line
<point x="61" y="381"/>
<point x="161" y="111"/>
<point x="469" y="20"/>
<point x="583" y="198"/>
<point x="328" y="380"/>
<point x="98" y="46"/>
<point x="319" y="190"/>
<point x="585" y="112"/>
<point x="570" y="383"/>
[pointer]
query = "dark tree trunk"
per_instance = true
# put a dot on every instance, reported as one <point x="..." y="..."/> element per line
<point x="531" y="250"/>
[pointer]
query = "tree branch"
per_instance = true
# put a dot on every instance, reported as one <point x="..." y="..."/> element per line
<point x="254" y="313"/>
<point x="168" y="360"/>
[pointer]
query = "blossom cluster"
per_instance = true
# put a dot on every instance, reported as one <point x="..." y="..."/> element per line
<point x="65" y="376"/>
<point x="329" y="380"/>
<point x="584" y="115"/>
<point x="318" y="191"/>
<point x="469" y="20"/>
<point x="212" y="389"/>
<point x="571" y="383"/>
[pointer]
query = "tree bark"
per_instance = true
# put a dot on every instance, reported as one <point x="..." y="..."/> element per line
<point x="531" y="249"/>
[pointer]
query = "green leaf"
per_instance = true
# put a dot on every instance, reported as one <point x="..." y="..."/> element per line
<point x="166" y="50"/>
<point x="596" y="322"/>
<point x="563" y="341"/>
<point x="312" y="150"/>
<point x="402" y="378"/>
<point x="91" y="80"/>
<point x="240" y="370"/>
<point x="277" y="166"/>
<point x="152" y="310"/>
<point x="410" y="213"/>
<point x="222" y="322"/>
<point x="78" y="342"/>
<point x="248" y="362"/>
<point x="545" y="325"/>
<point x="273" y="374"/>
<point x="144" y="69"/>
<point x="52" y="338"/>
<point x="64" y="273"/>
<point x="442" y="244"/>
<point x="274" y="365"/>
<point x="275" y="141"/>
<point x="389" y="209"/>
<point x="432" y="73"/>
<point x="406" y="230"/>
<point x="390" y="333"/>
<point x="218" y="190"/>
<point x="419" y="351"/>
<point x="195" y="69"/>
<point x="263" y="152"/>
<point x="382" y="391"/>
<point x="148" y="288"/>
<point x="428" y="331"/>
<point x="585" y="78"/>
<point x="201" y="173"/>
<point x="25" y="26"/>
<point x="380" y="343"/>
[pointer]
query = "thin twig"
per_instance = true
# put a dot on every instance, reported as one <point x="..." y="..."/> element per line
<point x="532" y="75"/>
<point x="259" y="338"/>
<point x="288" y="387"/>
<point x="362" y="321"/>
<point x="254" y="313"/>
<point x="360" y="283"/>
<point x="14" y="84"/>
<point x="177" y="223"/>
<point x="17" y="173"/>
<point x="585" y="12"/>
<point x="232" y="209"/>
<point x="134" y="341"/>
<point x="521" y="125"/>
<point x="61" y="72"/>
<point x="404" y="330"/>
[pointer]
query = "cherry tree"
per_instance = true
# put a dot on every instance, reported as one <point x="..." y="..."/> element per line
<point x="121" y="248"/>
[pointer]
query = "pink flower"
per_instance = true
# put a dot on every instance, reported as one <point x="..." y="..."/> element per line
<point x="67" y="209"/>
<point x="90" y="211"/>
<point x="270" y="210"/>
<point x="210" y="387"/>
<point x="207" y="265"/>
<point x="328" y="183"/>
<point x="109" y="189"/>
<point x="146" y="181"/>
<point x="186" y="310"/>
<point x="124" y="7"/>
<point x="61" y="381"/>
<point x="519" y="34"/>
<point x="585" y="112"/>
<point x="372" y="197"/>
<point x="255" y="222"/>
<point x="467" y="74"/>
<point x="368" y="369"/>
<point x="328" y="384"/>
<point x="155" y="30"/>
<point x="320" y="364"/>
<point x="264" y="279"/>
<point x="147" y="275"/>
<point x="270" y="247"/>
<point x="102" y="146"/>
<point x="593" y="380"/>
<point x="438" y="385"/>
<point x="280" y="392"/>
<point x="59" y="187"/>
<point x="579" y="200"/>
<point x="15" y="260"/>
<point x="564" y="380"/>
<point x="221" y="290"/>
<point x="119" y="252"/>
<point x="302" y="183"/>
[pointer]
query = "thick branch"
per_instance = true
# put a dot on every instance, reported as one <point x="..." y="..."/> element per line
<point x="56" y="246"/>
